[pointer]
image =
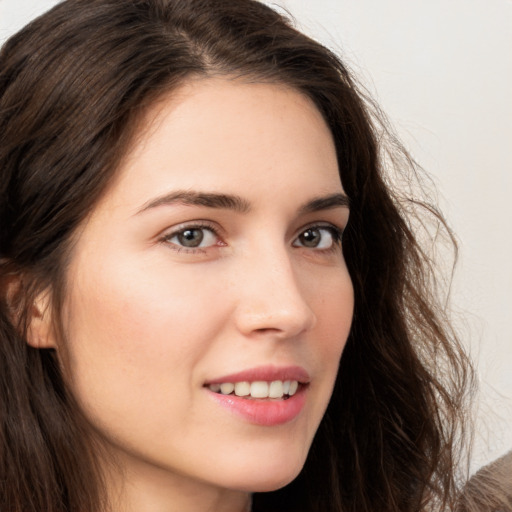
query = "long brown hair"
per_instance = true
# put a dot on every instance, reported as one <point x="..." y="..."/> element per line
<point x="73" y="86"/>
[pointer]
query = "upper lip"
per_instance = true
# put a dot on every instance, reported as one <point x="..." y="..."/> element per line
<point x="267" y="373"/>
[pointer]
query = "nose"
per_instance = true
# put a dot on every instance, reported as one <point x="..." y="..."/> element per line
<point x="271" y="298"/>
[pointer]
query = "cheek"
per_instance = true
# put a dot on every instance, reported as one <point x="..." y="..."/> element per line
<point x="134" y="331"/>
<point x="335" y="307"/>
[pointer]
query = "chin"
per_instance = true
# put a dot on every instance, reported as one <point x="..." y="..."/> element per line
<point x="266" y="477"/>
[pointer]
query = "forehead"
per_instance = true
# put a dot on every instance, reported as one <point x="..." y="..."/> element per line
<point x="220" y="133"/>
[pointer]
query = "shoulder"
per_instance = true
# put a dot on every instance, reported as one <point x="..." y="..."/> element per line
<point x="490" y="489"/>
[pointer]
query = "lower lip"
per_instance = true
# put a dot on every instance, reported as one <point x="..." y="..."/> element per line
<point x="263" y="412"/>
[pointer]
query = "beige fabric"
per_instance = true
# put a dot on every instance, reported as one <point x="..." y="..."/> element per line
<point x="490" y="489"/>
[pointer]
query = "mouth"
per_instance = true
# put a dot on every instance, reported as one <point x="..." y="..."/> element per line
<point x="264" y="403"/>
<point x="265" y="396"/>
<point x="259" y="389"/>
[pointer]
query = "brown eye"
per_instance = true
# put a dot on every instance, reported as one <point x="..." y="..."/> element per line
<point x="190" y="237"/>
<point x="319" y="237"/>
<point x="310" y="238"/>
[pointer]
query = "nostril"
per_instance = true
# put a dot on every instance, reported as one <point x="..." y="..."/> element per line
<point x="264" y="330"/>
<point x="280" y="324"/>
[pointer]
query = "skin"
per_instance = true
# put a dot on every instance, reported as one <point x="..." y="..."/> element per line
<point x="148" y="321"/>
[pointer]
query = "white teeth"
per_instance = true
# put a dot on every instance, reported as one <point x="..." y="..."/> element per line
<point x="226" y="388"/>
<point x="257" y="389"/>
<point x="275" y="389"/>
<point x="242" y="388"/>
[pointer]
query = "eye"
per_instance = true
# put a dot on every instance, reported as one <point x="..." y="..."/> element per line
<point x="319" y="237"/>
<point x="192" y="237"/>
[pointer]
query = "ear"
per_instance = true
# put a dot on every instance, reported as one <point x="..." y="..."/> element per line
<point x="39" y="325"/>
<point x="40" y="331"/>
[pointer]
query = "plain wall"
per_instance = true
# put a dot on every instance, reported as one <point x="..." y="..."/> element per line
<point x="442" y="71"/>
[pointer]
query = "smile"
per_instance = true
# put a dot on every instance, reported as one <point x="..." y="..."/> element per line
<point x="277" y="389"/>
<point x="266" y="395"/>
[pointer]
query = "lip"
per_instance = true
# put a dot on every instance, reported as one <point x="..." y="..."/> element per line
<point x="267" y="373"/>
<point x="264" y="412"/>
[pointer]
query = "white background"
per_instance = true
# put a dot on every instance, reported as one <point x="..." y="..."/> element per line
<point x="442" y="71"/>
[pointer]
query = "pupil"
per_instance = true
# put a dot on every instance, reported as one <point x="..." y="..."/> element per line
<point x="310" y="238"/>
<point x="191" y="237"/>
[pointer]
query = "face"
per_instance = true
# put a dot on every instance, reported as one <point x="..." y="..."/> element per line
<point x="208" y="300"/>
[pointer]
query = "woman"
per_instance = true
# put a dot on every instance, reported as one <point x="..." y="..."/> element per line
<point x="176" y="297"/>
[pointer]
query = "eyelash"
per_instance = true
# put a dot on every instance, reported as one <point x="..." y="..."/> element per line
<point x="181" y="229"/>
<point x="335" y="232"/>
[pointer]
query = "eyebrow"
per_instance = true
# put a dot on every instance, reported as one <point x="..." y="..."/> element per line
<point x="237" y="203"/>
<point x="208" y="199"/>
<point x="326" y="203"/>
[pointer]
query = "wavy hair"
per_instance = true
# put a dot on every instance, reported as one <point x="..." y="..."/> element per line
<point x="74" y="85"/>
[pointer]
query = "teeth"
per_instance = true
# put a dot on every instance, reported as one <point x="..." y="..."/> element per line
<point x="257" y="389"/>
<point x="226" y="388"/>
<point x="242" y="388"/>
<point x="275" y="389"/>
